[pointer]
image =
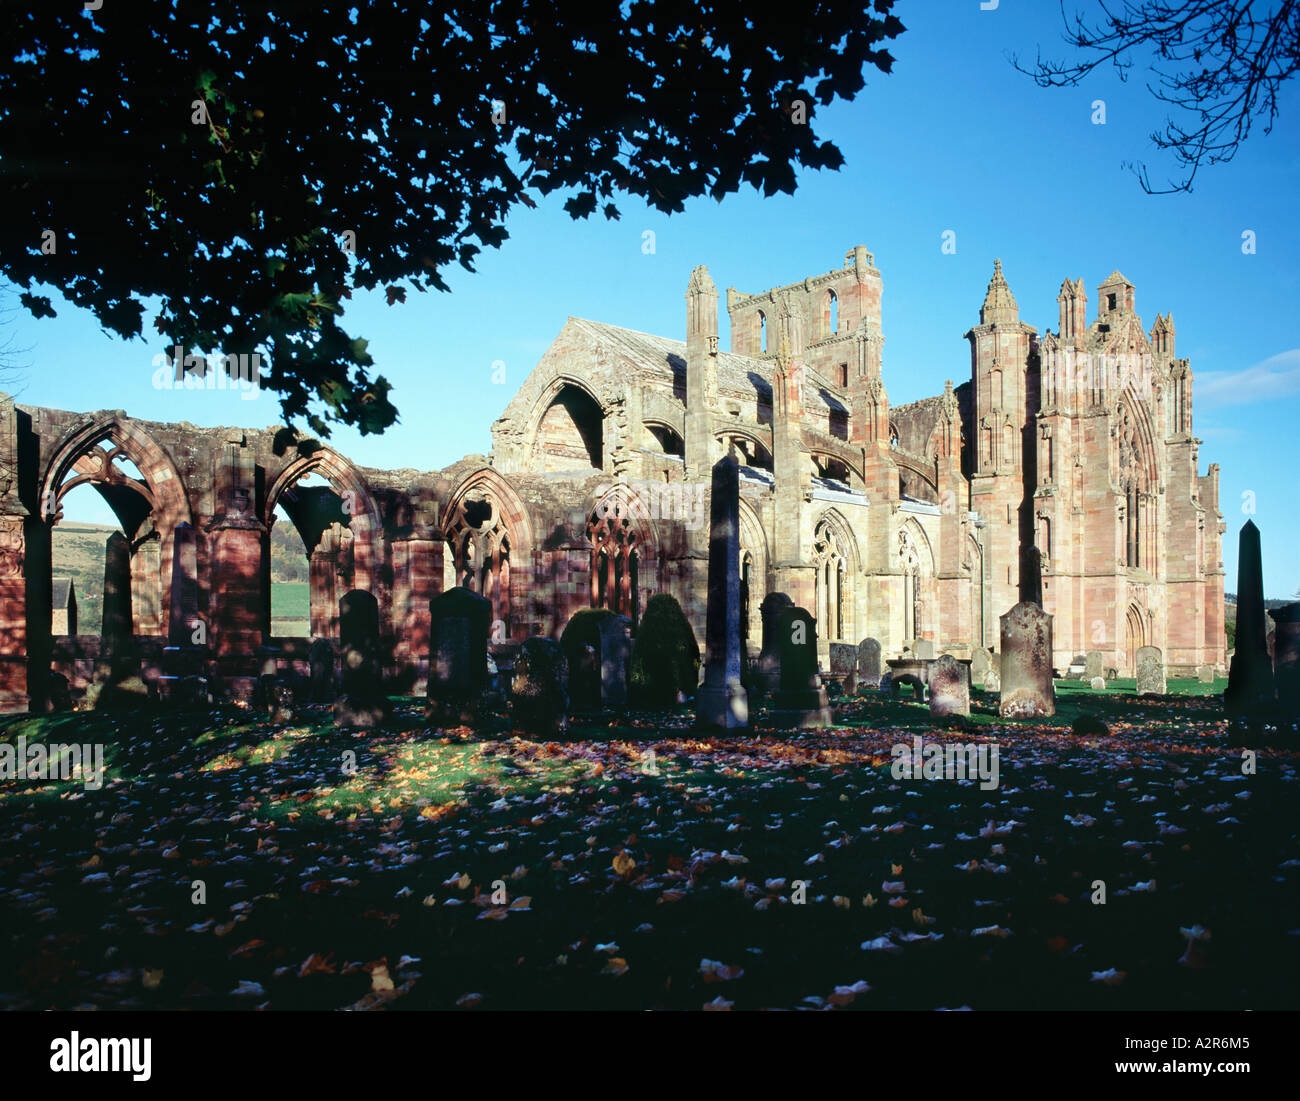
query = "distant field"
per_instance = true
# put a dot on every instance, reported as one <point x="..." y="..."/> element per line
<point x="290" y="608"/>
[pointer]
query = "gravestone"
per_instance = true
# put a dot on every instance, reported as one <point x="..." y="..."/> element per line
<point x="1078" y="667"/>
<point x="949" y="687"/>
<point x="320" y="660"/>
<point x="361" y="702"/>
<point x="1205" y="674"/>
<point x="769" y="657"/>
<point x="992" y="681"/>
<point x="116" y="681"/>
<point x="722" y="700"/>
<point x="801" y="701"/>
<point x="844" y="665"/>
<point x="1098" y="684"/>
<point x="1093" y="666"/>
<point x="1027" y="689"/>
<point x="980" y="663"/>
<point x="1250" y="679"/>
<point x="1286" y="658"/>
<point x="615" y="653"/>
<point x="459" y="623"/>
<point x="539" y="687"/>
<point x="868" y="665"/>
<point x="923" y="648"/>
<point x="58" y="697"/>
<point x="584" y="679"/>
<point x="1150" y="671"/>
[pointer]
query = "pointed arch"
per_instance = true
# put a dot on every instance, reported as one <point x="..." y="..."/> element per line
<point x="576" y="415"/>
<point x="916" y="563"/>
<point x="624" y="551"/>
<point x="490" y="545"/>
<point x="836" y="562"/>
<point x="754" y="552"/>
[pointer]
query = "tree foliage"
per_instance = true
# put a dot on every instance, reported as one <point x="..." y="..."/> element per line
<point x="1220" y="64"/>
<point x="213" y="160"/>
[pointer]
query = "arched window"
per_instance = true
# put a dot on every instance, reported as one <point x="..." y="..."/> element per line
<point x="479" y="554"/>
<point x="830" y="314"/>
<point x="762" y="331"/>
<point x="832" y="579"/>
<point x="746" y="564"/>
<point x="615" y="560"/>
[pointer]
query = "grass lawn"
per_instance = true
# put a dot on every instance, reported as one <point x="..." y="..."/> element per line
<point x="501" y="871"/>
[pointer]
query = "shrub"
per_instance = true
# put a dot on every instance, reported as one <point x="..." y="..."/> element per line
<point x="665" y="655"/>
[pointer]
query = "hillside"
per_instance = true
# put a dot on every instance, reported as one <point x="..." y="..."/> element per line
<point x="79" y="554"/>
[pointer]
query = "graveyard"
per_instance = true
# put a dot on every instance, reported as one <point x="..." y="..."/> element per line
<point x="613" y="820"/>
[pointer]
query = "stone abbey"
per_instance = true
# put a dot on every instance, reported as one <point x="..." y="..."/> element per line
<point x="1063" y="470"/>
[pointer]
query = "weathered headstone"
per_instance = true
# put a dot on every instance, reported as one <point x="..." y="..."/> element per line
<point x="980" y="663"/>
<point x="1093" y="665"/>
<point x="320" y="660"/>
<point x="769" y="657"/>
<point x="722" y="700"/>
<point x="868" y="665"/>
<point x="1205" y="674"/>
<point x="615" y="653"/>
<point x="1150" y="671"/>
<point x="1286" y="658"/>
<point x="844" y="665"/>
<point x="1097" y="684"/>
<point x="459" y="623"/>
<point x="361" y="702"/>
<point x="1250" y="688"/>
<point x="539" y="690"/>
<point x="992" y="681"/>
<point x="1078" y="667"/>
<point x="923" y="648"/>
<point x="1026" y="648"/>
<point x="801" y="701"/>
<point x="949" y="687"/>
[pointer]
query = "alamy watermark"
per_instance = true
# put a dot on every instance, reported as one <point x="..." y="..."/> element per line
<point x="178" y="371"/>
<point x="25" y="760"/>
<point x="946" y="761"/>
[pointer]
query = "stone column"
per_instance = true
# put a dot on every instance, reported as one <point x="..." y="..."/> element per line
<point x="238" y="601"/>
<point x="722" y="701"/>
<point x="417" y="578"/>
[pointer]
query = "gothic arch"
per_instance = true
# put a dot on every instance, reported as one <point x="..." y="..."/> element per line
<point x="835" y="558"/>
<point x="753" y="550"/>
<point x="79" y="459"/>
<point x="916" y="563"/>
<point x="489" y="545"/>
<point x="624" y="550"/>
<point x="759" y="453"/>
<point x="564" y="388"/>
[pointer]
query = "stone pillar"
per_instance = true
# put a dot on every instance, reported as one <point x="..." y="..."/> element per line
<point x="117" y="670"/>
<point x="722" y="701"/>
<point x="417" y="578"/>
<point x="701" y="370"/>
<point x="14" y="695"/>
<point x="146" y="587"/>
<point x="1250" y="678"/>
<point x="237" y="602"/>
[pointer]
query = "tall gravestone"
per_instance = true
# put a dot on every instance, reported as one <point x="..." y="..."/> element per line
<point x="459" y="623"/>
<point x="949" y="686"/>
<point x="844" y="666"/>
<point x="979" y="666"/>
<point x="1150" y="671"/>
<point x="117" y="681"/>
<point x="615" y="653"/>
<point x="185" y="657"/>
<point x="361" y="702"/>
<point x="1286" y="658"/>
<point x="539" y="687"/>
<point x="722" y="700"/>
<point x="1026" y="653"/>
<point x="868" y="665"/>
<point x="801" y="701"/>
<point x="1250" y="678"/>
<point x="769" y="657"/>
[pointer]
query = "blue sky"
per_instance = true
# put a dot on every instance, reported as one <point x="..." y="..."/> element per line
<point x="955" y="139"/>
